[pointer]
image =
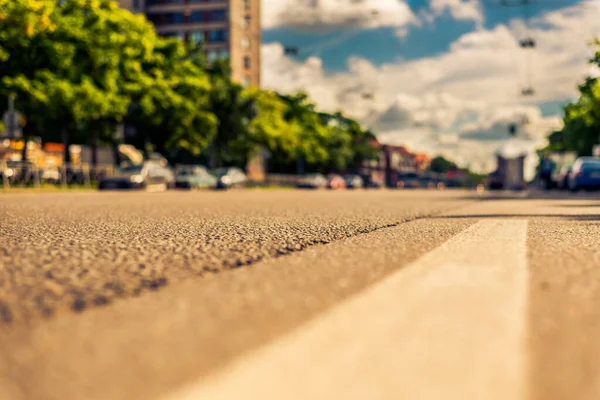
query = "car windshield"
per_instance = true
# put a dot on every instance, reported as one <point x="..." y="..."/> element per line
<point x="410" y="176"/>
<point x="187" y="171"/>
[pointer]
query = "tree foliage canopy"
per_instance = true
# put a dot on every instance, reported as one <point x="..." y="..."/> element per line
<point x="82" y="67"/>
<point x="581" y="130"/>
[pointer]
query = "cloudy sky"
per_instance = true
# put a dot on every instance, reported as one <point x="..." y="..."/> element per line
<point x="440" y="76"/>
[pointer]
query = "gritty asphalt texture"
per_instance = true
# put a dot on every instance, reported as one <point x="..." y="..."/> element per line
<point x="273" y="261"/>
<point x="72" y="252"/>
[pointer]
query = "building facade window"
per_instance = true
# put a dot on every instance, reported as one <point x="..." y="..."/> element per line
<point x="217" y="36"/>
<point x="214" y="55"/>
<point x="208" y="16"/>
<point x="246" y="81"/>
<point x="247" y="63"/>
<point x="196" y="16"/>
<point x="179" y="35"/>
<point x="247" y="4"/>
<point x="166" y="18"/>
<point x="197" y="37"/>
<point x="216" y="16"/>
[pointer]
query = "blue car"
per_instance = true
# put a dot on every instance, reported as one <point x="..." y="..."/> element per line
<point x="585" y="174"/>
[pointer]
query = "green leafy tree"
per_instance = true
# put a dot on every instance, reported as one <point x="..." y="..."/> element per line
<point x="235" y="110"/>
<point x="25" y="26"/>
<point x="307" y="123"/>
<point x="581" y="128"/>
<point x="272" y="129"/>
<point x="171" y="104"/>
<point x="66" y="73"/>
<point x="442" y="165"/>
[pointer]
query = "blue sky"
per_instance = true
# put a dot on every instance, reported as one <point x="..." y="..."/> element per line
<point x="441" y="67"/>
<point x="336" y="45"/>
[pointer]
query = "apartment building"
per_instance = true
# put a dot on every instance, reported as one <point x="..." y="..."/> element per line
<point x="226" y="28"/>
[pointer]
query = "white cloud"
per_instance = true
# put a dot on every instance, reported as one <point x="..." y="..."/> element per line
<point x="461" y="10"/>
<point x="460" y="102"/>
<point x="328" y="14"/>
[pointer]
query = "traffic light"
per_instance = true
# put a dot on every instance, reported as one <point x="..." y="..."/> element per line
<point x="528" y="92"/>
<point x="291" y="51"/>
<point x="527" y="43"/>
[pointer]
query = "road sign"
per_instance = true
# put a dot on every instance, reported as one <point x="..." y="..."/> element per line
<point x="12" y="120"/>
<point x="596" y="150"/>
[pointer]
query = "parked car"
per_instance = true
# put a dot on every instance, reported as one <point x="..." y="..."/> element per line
<point x="22" y="172"/>
<point x="335" y="182"/>
<point x="312" y="181"/>
<point x="230" y="178"/>
<point x="7" y="173"/>
<point x="409" y="180"/>
<point x="354" y="182"/>
<point x="149" y="175"/>
<point x="585" y="174"/>
<point x="194" y="177"/>
<point x="51" y="175"/>
<point x="431" y="181"/>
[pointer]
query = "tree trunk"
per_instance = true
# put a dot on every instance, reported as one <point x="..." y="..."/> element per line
<point x="214" y="158"/>
<point x="27" y="134"/>
<point x="24" y="151"/>
<point x="299" y="166"/>
<point x="94" y="148"/>
<point x="66" y="139"/>
<point x="116" y="154"/>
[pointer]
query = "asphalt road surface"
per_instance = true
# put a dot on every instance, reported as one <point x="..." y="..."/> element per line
<point x="299" y="294"/>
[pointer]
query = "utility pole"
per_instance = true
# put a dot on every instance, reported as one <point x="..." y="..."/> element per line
<point x="11" y="116"/>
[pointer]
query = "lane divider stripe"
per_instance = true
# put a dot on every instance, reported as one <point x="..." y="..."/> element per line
<point x="450" y="326"/>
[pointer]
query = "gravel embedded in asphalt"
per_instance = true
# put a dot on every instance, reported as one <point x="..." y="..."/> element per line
<point x="72" y="252"/>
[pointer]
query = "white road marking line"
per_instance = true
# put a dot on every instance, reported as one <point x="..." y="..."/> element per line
<point x="450" y="326"/>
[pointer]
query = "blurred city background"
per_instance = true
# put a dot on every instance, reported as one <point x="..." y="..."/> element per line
<point x="161" y="94"/>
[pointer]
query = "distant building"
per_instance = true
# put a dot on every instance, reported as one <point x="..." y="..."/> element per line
<point x="510" y="173"/>
<point x="422" y="161"/>
<point x="226" y="28"/>
<point x="391" y="163"/>
<point x="135" y="6"/>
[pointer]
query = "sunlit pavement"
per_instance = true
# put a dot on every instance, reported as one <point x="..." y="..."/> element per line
<point x="295" y="295"/>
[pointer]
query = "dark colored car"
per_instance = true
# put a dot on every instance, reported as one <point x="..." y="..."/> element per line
<point x="409" y="180"/>
<point x="585" y="174"/>
<point x="230" y="178"/>
<point x="194" y="177"/>
<point x="431" y="181"/>
<point x="312" y="181"/>
<point x="150" y="175"/>
<point x="354" y="182"/>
